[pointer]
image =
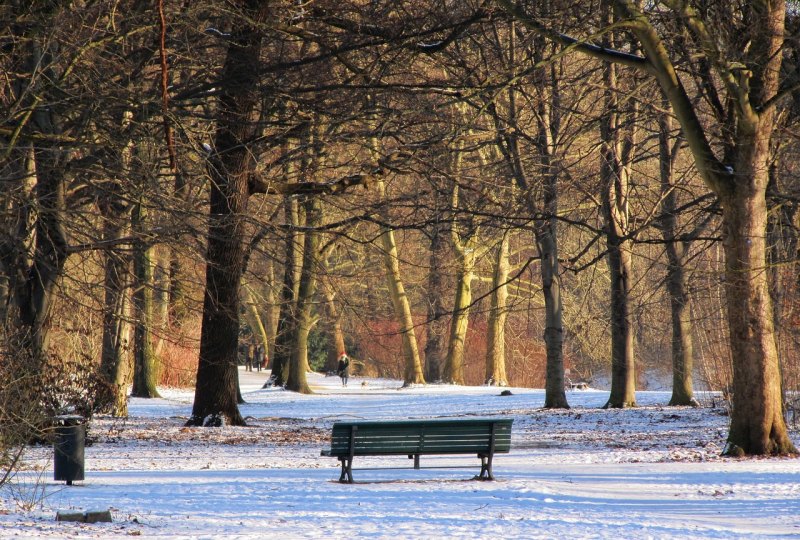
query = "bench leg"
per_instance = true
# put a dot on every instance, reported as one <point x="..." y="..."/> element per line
<point x="486" y="468"/>
<point x="347" y="470"/>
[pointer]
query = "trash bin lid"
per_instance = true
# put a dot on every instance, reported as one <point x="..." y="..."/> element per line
<point x="69" y="419"/>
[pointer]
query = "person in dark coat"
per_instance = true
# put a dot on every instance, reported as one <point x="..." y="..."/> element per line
<point x="343" y="368"/>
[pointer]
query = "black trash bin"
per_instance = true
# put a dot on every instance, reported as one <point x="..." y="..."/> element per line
<point x="69" y="443"/>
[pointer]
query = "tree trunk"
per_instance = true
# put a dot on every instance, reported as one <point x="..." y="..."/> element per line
<point x="757" y="423"/>
<point x="40" y="263"/>
<point x="161" y="288"/>
<point x="465" y="249"/>
<point x="682" y="346"/>
<point x="335" y="319"/>
<point x="50" y="254"/>
<point x="256" y="324"/>
<point x="435" y="351"/>
<point x="287" y="319"/>
<point x="230" y="168"/>
<point x="496" y="346"/>
<point x="308" y="282"/>
<point x="555" y="395"/>
<point x="614" y="173"/>
<point x="115" y="356"/>
<point x="272" y="310"/>
<point x="459" y="323"/>
<point x="546" y="232"/>
<point x="402" y="308"/>
<point x="145" y="373"/>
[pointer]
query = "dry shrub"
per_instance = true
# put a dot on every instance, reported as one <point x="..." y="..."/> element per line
<point x="179" y="355"/>
<point x="30" y="398"/>
<point x="381" y="347"/>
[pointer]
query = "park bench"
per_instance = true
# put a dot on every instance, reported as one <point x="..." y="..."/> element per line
<point x="483" y="437"/>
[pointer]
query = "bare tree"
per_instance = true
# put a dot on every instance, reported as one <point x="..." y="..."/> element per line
<point x="739" y="55"/>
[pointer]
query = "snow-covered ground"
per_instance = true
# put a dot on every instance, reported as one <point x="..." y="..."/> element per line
<point x="648" y="472"/>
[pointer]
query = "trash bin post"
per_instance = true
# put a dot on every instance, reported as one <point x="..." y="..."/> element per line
<point x="68" y="456"/>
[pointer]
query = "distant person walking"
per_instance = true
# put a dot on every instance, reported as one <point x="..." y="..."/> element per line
<point x="343" y="368"/>
<point x="259" y="359"/>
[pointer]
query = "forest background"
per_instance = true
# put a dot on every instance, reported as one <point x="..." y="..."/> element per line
<point x="458" y="192"/>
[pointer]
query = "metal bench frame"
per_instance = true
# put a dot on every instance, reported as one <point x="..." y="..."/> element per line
<point x="483" y="437"/>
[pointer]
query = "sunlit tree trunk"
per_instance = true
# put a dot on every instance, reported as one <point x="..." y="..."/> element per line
<point x="335" y="320"/>
<point x="459" y="322"/>
<point x="496" y="346"/>
<point x="546" y="233"/>
<point x="271" y="309"/>
<point x="253" y="313"/>
<point x="115" y="354"/>
<point x="145" y="372"/>
<point x="308" y="283"/>
<point x="402" y="308"/>
<point x="757" y="426"/>
<point x="465" y="250"/>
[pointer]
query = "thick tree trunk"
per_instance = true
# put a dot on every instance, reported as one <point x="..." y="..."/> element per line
<point x="230" y="168"/>
<point x="757" y="423"/>
<point x="50" y="255"/>
<point x="496" y="346"/>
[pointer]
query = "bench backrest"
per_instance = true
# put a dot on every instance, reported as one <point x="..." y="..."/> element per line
<point x="410" y="437"/>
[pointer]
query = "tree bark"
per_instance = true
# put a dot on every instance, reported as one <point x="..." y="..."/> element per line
<point x="435" y="351"/>
<point x="757" y="423"/>
<point x="287" y="319"/>
<point x="682" y="345"/>
<point x="466" y="254"/>
<point x="230" y="168"/>
<point x="546" y="233"/>
<point x="308" y="282"/>
<point x="145" y="376"/>
<point x="402" y="308"/>
<point x="614" y="174"/>
<point x="335" y="320"/>
<point x="459" y="322"/>
<point x="272" y="310"/>
<point x="496" y="346"/>
<point x="115" y="355"/>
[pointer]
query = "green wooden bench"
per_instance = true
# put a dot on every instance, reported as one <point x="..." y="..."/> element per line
<point x="483" y="437"/>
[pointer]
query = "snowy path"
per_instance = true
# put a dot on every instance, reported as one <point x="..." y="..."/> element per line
<point x="650" y="472"/>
